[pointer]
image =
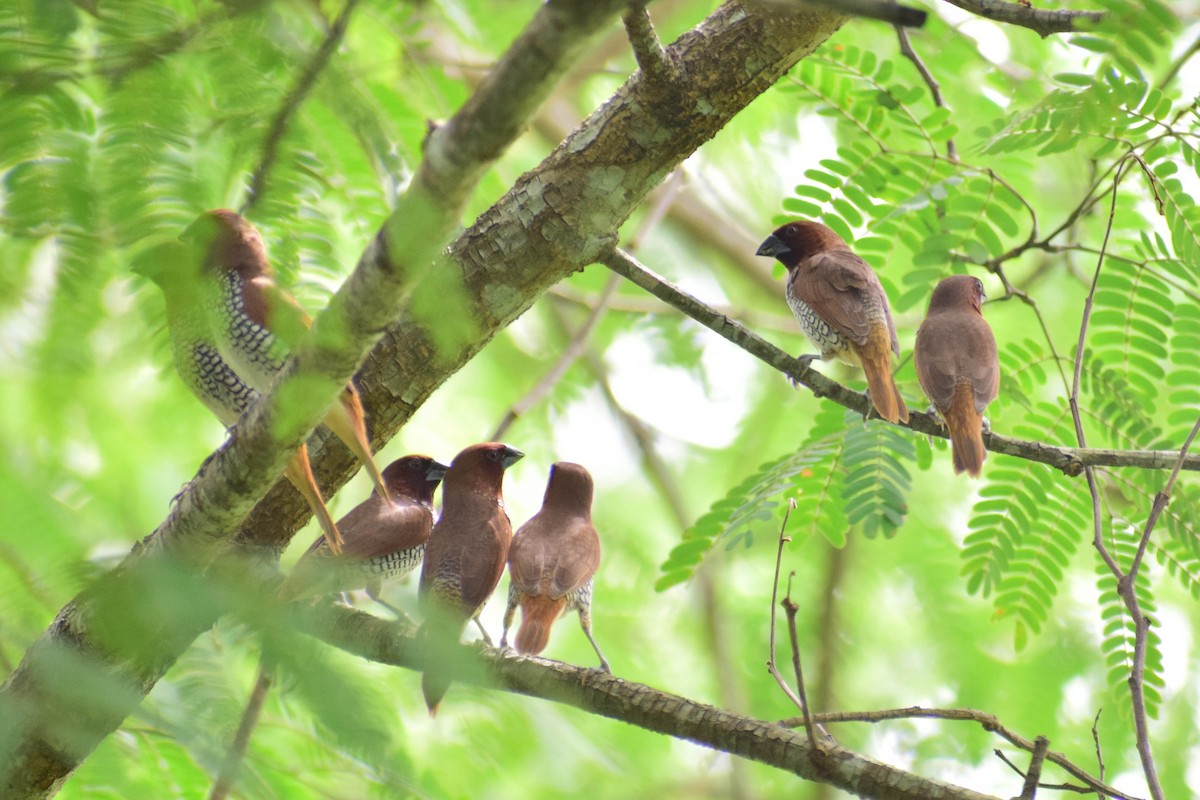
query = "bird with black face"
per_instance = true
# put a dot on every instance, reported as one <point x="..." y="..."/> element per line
<point x="840" y="305"/>
<point x="465" y="556"/>
<point x="383" y="539"/>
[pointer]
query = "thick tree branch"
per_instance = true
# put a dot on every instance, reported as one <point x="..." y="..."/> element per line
<point x="1043" y="21"/>
<point x="637" y="704"/>
<point x="556" y="219"/>
<point x="1070" y="460"/>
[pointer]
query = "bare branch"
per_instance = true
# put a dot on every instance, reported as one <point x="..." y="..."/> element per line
<point x="232" y="766"/>
<point x="935" y="90"/>
<point x="304" y="83"/>
<point x="1043" y="21"/>
<point x="570" y="354"/>
<point x="634" y="703"/>
<point x="1126" y="586"/>
<point x="1034" y="774"/>
<point x="882" y="10"/>
<point x="791" y="608"/>
<point x="1069" y="460"/>
<point x="987" y="721"/>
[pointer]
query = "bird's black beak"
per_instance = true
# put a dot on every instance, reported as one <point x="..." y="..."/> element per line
<point x="772" y="247"/>
<point x="435" y="471"/>
<point x="511" y="456"/>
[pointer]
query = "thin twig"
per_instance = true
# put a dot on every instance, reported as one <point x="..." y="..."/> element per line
<point x="304" y="84"/>
<point x="987" y="721"/>
<point x="1044" y="21"/>
<point x="232" y="766"/>
<point x="647" y="49"/>
<point x="1099" y="750"/>
<point x="1126" y="588"/>
<point x="935" y="90"/>
<point x="1040" y="745"/>
<point x="1179" y="63"/>
<point x="791" y="608"/>
<point x="1069" y="460"/>
<point x="774" y="670"/>
<point x="574" y="349"/>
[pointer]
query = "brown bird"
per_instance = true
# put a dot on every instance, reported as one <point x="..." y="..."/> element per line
<point x="256" y="322"/>
<point x="195" y="350"/>
<point x="840" y="305"/>
<point x="957" y="366"/>
<point x="552" y="561"/>
<point x="383" y="539"/>
<point x="465" y="556"/>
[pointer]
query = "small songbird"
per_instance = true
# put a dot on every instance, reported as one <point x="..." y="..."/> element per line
<point x="840" y="305"/>
<point x="466" y="554"/>
<point x="194" y="349"/>
<point x="957" y="366"/>
<point x="383" y="539"/>
<point x="256" y="322"/>
<point x="552" y="561"/>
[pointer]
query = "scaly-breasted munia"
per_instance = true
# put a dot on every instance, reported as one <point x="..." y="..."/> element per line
<point x="382" y="539"/>
<point x="840" y="305"/>
<point x="257" y="322"/>
<point x="552" y="561"/>
<point x="466" y="554"/>
<point x="194" y="348"/>
<point x="955" y="357"/>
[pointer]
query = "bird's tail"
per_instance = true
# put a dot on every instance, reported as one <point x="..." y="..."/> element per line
<point x="299" y="472"/>
<point x="438" y="636"/>
<point x="347" y="419"/>
<point x="876" y="359"/>
<point x="538" y="613"/>
<point x="966" y="430"/>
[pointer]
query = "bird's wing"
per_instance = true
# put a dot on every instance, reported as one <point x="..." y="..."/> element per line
<point x="579" y="558"/>
<point x="275" y="309"/>
<point x="384" y="527"/>
<point x="937" y="358"/>
<point x="482" y="564"/>
<point x="842" y="289"/>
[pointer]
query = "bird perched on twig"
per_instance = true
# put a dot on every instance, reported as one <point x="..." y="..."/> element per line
<point x="383" y="539"/>
<point x="465" y="556"/>
<point x="552" y="561"/>
<point x="957" y="365"/>
<point x="840" y="305"/>
<point x="231" y="327"/>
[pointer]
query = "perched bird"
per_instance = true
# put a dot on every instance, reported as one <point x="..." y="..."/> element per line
<point x="206" y="374"/>
<point x="552" y="561"/>
<point x="255" y="322"/>
<point x="956" y="362"/>
<point x="840" y="305"/>
<point x="382" y="539"/>
<point x="466" y="554"/>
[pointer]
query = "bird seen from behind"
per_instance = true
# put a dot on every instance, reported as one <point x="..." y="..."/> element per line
<point x="552" y="561"/>
<point x="840" y="305"/>
<point x="957" y="365"/>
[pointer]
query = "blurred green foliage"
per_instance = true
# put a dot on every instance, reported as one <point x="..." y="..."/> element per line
<point x="122" y="121"/>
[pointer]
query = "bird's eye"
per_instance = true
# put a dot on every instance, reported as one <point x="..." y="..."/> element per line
<point x="493" y="455"/>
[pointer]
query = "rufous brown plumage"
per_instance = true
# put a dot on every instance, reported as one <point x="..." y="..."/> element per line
<point x="552" y="561"/>
<point x="382" y="538"/>
<point x="465" y="556"/>
<point x="840" y="305"/>
<point x="955" y="357"/>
